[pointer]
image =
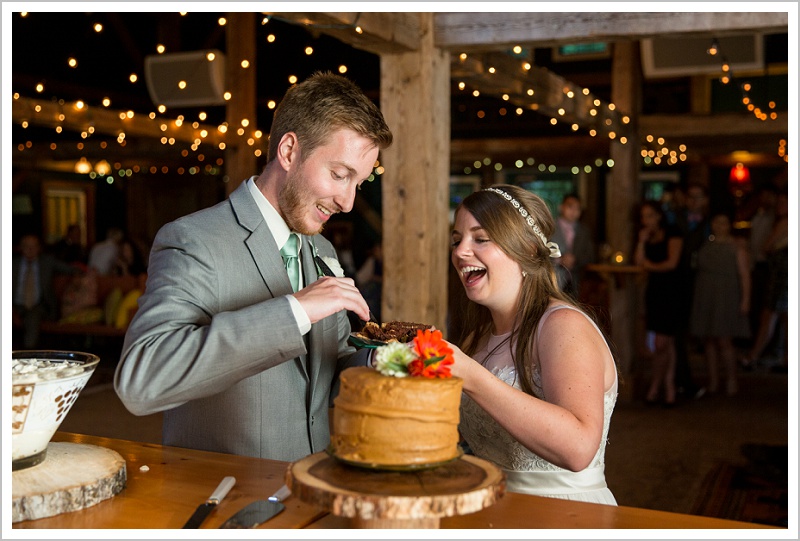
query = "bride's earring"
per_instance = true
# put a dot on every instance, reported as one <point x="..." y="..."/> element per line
<point x="524" y="274"/>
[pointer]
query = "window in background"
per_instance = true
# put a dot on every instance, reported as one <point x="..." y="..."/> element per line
<point x="67" y="203"/>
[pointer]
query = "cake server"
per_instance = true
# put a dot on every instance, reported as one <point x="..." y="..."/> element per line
<point x="259" y="511"/>
<point x="204" y="509"/>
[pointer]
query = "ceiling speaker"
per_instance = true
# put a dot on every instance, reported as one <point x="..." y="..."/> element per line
<point x="195" y="78"/>
<point x="688" y="55"/>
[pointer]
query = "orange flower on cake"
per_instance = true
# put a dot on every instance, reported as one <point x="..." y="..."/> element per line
<point x="427" y="356"/>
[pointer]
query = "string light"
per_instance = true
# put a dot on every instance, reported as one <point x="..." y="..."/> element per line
<point x="613" y="129"/>
<point x="727" y="77"/>
<point x="80" y="107"/>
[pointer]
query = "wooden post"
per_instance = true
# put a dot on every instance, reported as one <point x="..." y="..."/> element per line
<point x="622" y="196"/>
<point x="415" y="100"/>
<point x="240" y="160"/>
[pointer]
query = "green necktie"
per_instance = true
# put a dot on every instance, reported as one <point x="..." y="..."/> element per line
<point x="290" y="261"/>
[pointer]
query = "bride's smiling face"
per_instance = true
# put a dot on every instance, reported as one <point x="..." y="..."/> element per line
<point x="489" y="276"/>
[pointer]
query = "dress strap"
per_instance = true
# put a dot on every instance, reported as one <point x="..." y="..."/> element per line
<point x="553" y="308"/>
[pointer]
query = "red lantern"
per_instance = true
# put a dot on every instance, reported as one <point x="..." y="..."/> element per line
<point x="739" y="179"/>
<point x="740" y="174"/>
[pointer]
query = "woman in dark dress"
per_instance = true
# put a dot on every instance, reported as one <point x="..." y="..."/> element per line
<point x="721" y="300"/>
<point x="658" y="252"/>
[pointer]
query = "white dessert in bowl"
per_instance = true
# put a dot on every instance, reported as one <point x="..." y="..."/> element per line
<point x="45" y="385"/>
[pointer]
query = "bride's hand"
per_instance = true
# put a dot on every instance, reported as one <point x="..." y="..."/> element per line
<point x="463" y="366"/>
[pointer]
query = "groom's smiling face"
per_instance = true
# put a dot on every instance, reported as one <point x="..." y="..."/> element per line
<point x="325" y="182"/>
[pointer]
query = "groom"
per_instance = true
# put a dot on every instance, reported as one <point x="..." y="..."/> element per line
<point x="238" y="357"/>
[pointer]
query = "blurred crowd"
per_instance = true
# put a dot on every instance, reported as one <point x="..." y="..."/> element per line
<point x="717" y="283"/>
<point x="717" y="280"/>
<point x="36" y="265"/>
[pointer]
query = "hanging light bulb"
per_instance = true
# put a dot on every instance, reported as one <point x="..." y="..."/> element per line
<point x="714" y="47"/>
<point x="102" y="168"/>
<point x="83" y="166"/>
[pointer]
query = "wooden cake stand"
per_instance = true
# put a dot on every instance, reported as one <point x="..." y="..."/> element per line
<point x="415" y="498"/>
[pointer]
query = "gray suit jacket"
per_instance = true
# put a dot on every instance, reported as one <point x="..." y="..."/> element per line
<point x="214" y="344"/>
<point x="582" y="249"/>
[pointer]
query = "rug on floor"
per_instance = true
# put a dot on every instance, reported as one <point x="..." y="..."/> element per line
<point x="755" y="490"/>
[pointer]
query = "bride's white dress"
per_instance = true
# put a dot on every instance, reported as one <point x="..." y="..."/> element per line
<point x="525" y="471"/>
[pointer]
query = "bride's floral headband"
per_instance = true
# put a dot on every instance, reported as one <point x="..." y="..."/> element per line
<point x="552" y="246"/>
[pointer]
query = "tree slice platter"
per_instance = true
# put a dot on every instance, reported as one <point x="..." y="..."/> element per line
<point x="396" y="499"/>
<point x="73" y="476"/>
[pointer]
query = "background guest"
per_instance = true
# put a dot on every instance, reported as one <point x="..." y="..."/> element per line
<point x="103" y="254"/>
<point x="69" y="248"/>
<point x="694" y="227"/>
<point x="576" y="244"/>
<point x="673" y="202"/>
<point x="658" y="252"/>
<point x="761" y="223"/>
<point x="32" y="274"/>
<point x="130" y="261"/>
<point x="721" y="301"/>
<point x="776" y="300"/>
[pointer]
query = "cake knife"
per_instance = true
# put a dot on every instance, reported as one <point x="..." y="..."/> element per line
<point x="259" y="511"/>
<point x="204" y="509"/>
<point x="326" y="270"/>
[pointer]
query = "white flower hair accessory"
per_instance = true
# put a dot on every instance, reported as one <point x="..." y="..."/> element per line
<point x="550" y="245"/>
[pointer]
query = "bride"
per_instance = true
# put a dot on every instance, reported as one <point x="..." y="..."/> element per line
<point x="540" y="382"/>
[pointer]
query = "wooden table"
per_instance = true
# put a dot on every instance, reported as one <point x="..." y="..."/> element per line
<point x="180" y="479"/>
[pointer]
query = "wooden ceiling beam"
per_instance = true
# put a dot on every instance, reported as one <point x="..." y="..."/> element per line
<point x="465" y="32"/>
<point x="537" y="89"/>
<point x="716" y="125"/>
<point x="387" y="33"/>
<point x="705" y="136"/>
<point x="381" y="33"/>
<point x="552" y="150"/>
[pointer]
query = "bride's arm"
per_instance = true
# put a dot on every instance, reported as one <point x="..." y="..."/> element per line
<point x="566" y="429"/>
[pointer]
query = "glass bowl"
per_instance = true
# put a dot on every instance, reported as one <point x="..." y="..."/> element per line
<point x="45" y="385"/>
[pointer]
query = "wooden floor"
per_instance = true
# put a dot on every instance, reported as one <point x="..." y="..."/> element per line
<point x="656" y="458"/>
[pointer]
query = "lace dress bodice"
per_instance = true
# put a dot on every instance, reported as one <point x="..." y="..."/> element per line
<point x="488" y="440"/>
